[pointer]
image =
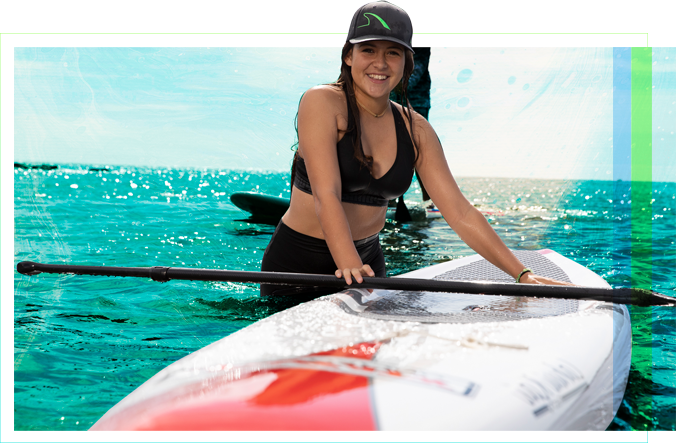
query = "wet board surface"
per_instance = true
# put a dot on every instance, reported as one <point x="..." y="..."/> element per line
<point x="403" y="360"/>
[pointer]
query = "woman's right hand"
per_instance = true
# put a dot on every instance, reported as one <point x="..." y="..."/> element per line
<point x="357" y="273"/>
<point x="531" y="278"/>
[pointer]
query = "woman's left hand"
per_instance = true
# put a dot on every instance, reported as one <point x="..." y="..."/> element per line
<point x="533" y="279"/>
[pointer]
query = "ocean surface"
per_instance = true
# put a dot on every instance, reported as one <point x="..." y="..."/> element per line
<point x="81" y="344"/>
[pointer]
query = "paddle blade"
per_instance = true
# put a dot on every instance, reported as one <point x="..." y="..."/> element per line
<point x="641" y="297"/>
<point x="402" y="214"/>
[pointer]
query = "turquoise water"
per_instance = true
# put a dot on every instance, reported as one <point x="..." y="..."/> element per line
<point x="83" y="343"/>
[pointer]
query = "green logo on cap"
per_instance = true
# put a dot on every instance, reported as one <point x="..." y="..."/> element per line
<point x="382" y="22"/>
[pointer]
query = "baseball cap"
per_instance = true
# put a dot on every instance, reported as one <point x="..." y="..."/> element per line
<point x="381" y="21"/>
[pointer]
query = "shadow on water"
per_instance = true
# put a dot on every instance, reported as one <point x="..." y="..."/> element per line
<point x="257" y="308"/>
<point x="270" y="221"/>
<point x="252" y="231"/>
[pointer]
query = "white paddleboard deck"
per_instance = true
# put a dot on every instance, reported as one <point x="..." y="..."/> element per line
<point x="397" y="360"/>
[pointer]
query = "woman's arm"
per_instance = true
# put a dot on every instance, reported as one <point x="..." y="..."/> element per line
<point x="461" y="215"/>
<point x="318" y="114"/>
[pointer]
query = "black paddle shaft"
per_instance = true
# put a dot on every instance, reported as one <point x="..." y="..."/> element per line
<point x="627" y="296"/>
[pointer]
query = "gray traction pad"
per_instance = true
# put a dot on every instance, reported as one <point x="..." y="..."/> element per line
<point x="483" y="270"/>
<point x="428" y="307"/>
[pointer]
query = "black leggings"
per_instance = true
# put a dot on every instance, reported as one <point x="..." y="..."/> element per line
<point x="291" y="251"/>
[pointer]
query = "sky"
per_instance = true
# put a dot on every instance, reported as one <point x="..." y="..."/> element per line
<point x="209" y="86"/>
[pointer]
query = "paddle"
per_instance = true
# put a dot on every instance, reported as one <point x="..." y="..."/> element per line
<point x="627" y="296"/>
<point x="402" y="214"/>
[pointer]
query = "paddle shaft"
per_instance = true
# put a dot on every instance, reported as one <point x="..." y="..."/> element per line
<point x="632" y="296"/>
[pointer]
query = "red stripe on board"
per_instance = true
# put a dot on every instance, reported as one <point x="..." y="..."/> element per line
<point x="347" y="410"/>
<point x="297" y="400"/>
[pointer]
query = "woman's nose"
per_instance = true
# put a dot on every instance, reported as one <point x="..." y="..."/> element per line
<point x="380" y="60"/>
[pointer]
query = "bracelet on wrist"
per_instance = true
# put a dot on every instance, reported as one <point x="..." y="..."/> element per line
<point x="521" y="274"/>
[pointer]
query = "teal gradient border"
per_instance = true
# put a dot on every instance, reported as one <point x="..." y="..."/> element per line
<point x="7" y="223"/>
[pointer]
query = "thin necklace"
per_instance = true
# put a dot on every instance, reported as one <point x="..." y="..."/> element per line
<point x="367" y="110"/>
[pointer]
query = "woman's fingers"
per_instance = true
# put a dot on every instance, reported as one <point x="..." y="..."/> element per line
<point x="365" y="270"/>
<point x="551" y="281"/>
<point x="347" y="273"/>
<point x="539" y="280"/>
<point x="356" y="273"/>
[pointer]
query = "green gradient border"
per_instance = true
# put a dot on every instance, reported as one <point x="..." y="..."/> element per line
<point x="7" y="223"/>
<point x="641" y="217"/>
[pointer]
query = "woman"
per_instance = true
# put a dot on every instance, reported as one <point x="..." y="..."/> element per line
<point x="356" y="151"/>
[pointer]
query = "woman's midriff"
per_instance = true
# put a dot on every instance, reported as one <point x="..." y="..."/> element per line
<point x="364" y="220"/>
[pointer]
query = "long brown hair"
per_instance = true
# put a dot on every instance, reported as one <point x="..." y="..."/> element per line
<point x="345" y="82"/>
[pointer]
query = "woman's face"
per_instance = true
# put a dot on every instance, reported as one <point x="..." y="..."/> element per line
<point x="377" y="66"/>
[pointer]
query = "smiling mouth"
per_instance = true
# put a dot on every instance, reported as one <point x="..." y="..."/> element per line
<point x="377" y="76"/>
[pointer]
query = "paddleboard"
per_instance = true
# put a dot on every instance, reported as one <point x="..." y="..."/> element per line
<point x="267" y="208"/>
<point x="403" y="360"/>
<point x="261" y="206"/>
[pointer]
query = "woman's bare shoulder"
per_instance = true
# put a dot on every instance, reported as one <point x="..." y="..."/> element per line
<point x="326" y="103"/>
<point x="420" y="124"/>
<point x="325" y="95"/>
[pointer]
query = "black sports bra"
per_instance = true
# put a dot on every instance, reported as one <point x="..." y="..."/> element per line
<point x="358" y="185"/>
